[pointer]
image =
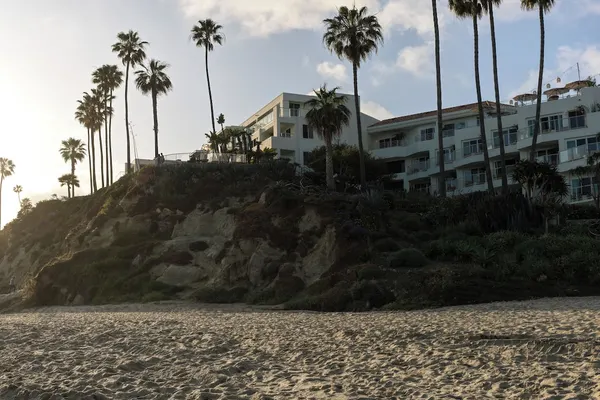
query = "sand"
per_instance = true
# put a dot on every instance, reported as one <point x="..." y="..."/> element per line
<point x="546" y="349"/>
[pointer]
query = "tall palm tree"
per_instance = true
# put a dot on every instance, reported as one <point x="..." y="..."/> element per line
<point x="354" y="35"/>
<point x="83" y="116"/>
<point x="206" y="34"/>
<point x="154" y="80"/>
<point x="213" y="141"/>
<point x="438" y="80"/>
<point x="131" y="51"/>
<point x="543" y="6"/>
<point x="490" y="9"/>
<point x="221" y="121"/>
<point x="327" y="115"/>
<point x="72" y="150"/>
<point x="474" y="9"/>
<point x="97" y="112"/>
<point x="108" y="78"/>
<point x="18" y="189"/>
<point x="7" y="168"/>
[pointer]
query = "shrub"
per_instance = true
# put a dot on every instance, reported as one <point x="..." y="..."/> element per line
<point x="408" y="258"/>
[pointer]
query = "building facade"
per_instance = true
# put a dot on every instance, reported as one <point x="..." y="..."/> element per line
<point x="281" y="125"/>
<point x="568" y="134"/>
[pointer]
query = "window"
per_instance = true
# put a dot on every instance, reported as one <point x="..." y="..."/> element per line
<point x="475" y="176"/>
<point x="548" y="124"/>
<point x="307" y="158"/>
<point x="294" y="109"/>
<point x="449" y="155"/>
<point x="584" y="188"/>
<point x="577" y="118"/>
<point x="460" y="125"/>
<point x="578" y="148"/>
<point x="427" y="134"/>
<point x="286" y="133"/>
<point x="510" y="136"/>
<point x="471" y="147"/>
<point x="419" y="165"/>
<point x="421" y="187"/>
<point x="394" y="141"/>
<point x="448" y="130"/>
<point x="549" y="156"/>
<point x="307" y="132"/>
<point x="510" y="166"/>
<point x="395" y="167"/>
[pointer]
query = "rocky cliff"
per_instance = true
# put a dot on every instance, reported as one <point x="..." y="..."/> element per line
<point x="214" y="233"/>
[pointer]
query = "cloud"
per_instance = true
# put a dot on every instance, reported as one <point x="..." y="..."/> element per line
<point x="265" y="17"/>
<point x="564" y="67"/>
<point x="375" y="110"/>
<point x="417" y="60"/>
<point x="331" y="70"/>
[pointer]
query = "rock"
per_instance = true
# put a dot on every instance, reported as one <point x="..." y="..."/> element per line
<point x="309" y="221"/>
<point x="137" y="261"/>
<point x="177" y="275"/>
<point x="321" y="257"/>
<point x="198" y="223"/>
<point x="165" y="213"/>
<point x="78" y="300"/>
<point x="259" y="259"/>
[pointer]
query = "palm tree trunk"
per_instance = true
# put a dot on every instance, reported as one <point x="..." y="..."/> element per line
<point x="94" y="162"/>
<point x="538" y="106"/>
<point x="127" y="118"/>
<point x="498" y="110"/>
<point x="89" y="160"/>
<point x="440" y="123"/>
<point x="361" y="154"/>
<point x="19" y="198"/>
<point x="101" y="156"/>
<point x="212" y="110"/>
<point x="155" y="115"/>
<point x="329" y="163"/>
<point x="110" y="136"/>
<point x="68" y="191"/>
<point x="486" y="156"/>
<point x="73" y="173"/>
<point x="106" y="140"/>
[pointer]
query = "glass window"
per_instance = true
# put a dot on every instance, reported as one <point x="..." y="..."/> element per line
<point x="448" y="130"/>
<point x="510" y="136"/>
<point x="307" y="132"/>
<point x="584" y="188"/>
<point x="427" y="134"/>
<point x="473" y="146"/>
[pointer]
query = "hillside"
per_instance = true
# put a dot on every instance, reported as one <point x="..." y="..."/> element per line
<point x="259" y="234"/>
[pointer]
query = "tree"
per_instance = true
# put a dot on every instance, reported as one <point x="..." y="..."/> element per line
<point x="26" y="207"/>
<point x="504" y="176"/>
<point x="327" y="115"/>
<point x="213" y="141"/>
<point x="70" y="181"/>
<point x="73" y="151"/>
<point x="474" y="9"/>
<point x="82" y="115"/>
<point x="438" y="80"/>
<point x="153" y="80"/>
<point x="131" y="51"/>
<point x="109" y="78"/>
<point x="7" y="168"/>
<point x="346" y="163"/>
<point x="221" y="121"/>
<point x="18" y="189"/>
<point x="354" y="35"/>
<point x="206" y="34"/>
<point x="90" y="113"/>
<point x="543" y="6"/>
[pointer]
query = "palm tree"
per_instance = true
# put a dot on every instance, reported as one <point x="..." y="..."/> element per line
<point x="221" y="121"/>
<point x="83" y="115"/>
<point x="327" y="115"/>
<point x="130" y="49"/>
<point x="108" y="78"/>
<point x="543" y="6"/>
<point x="18" y="189"/>
<point x="96" y="118"/>
<point x="213" y="141"/>
<point x="73" y="151"/>
<point x="70" y="181"/>
<point x="354" y="35"/>
<point x="205" y="35"/>
<point x="440" y="122"/>
<point x="7" y="168"/>
<point x="474" y="9"/>
<point x="153" y="80"/>
<point x="504" y="176"/>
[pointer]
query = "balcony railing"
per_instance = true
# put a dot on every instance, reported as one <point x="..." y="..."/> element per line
<point x="424" y="137"/>
<point x="448" y="133"/>
<point x="419" y="166"/>
<point x="577" y="122"/>
<point x="577" y="153"/>
<point x="474" y="180"/>
<point x="472" y="151"/>
<point x="392" y="143"/>
<point x="551" y="159"/>
<point x="497" y="173"/>
<point x="449" y="158"/>
<point x="291" y="112"/>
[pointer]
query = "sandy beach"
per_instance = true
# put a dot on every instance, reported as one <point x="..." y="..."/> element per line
<point x="545" y="349"/>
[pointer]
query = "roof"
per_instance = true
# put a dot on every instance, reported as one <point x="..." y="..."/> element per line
<point x="464" y="107"/>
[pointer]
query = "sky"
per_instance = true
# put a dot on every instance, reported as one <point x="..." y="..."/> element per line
<point x="50" y="48"/>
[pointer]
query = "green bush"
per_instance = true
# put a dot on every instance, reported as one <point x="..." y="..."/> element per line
<point x="408" y="258"/>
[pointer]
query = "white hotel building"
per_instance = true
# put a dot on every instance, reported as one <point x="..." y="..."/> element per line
<point x="409" y="144"/>
<point x="281" y="125"/>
